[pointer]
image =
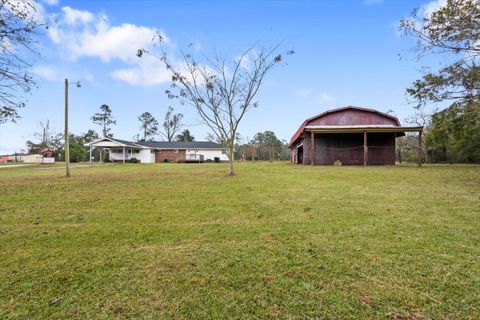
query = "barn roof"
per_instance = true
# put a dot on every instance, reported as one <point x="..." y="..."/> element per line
<point x="300" y="130"/>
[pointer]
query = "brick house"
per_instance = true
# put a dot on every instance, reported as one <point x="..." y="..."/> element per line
<point x="160" y="151"/>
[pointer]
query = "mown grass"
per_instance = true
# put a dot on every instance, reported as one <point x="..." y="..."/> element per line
<point x="275" y="241"/>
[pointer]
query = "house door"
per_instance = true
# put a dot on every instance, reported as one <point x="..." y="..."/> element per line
<point x="300" y="154"/>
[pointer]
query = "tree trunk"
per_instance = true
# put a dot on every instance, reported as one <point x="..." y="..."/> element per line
<point x="230" y="163"/>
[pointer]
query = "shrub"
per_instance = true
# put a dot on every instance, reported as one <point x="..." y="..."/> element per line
<point x="216" y="159"/>
<point x="134" y="160"/>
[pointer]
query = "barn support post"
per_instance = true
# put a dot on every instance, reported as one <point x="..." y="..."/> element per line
<point x="312" y="148"/>
<point x="419" y="161"/>
<point x="365" y="149"/>
<point x="123" y="154"/>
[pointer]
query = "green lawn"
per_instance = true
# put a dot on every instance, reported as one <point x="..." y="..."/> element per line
<point x="275" y="241"/>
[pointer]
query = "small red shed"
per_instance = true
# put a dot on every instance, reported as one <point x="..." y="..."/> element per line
<point x="348" y="136"/>
<point x="48" y="153"/>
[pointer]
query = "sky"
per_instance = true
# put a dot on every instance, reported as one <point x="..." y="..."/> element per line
<point x="347" y="52"/>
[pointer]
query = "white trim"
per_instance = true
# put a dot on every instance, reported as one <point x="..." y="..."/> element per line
<point x="187" y="148"/>
<point x="355" y="126"/>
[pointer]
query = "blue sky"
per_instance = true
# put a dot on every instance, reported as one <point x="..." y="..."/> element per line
<point x="347" y="53"/>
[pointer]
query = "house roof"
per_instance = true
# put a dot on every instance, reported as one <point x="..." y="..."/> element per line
<point x="159" y="144"/>
<point x="300" y="130"/>
<point x="181" y="145"/>
<point x="114" y="143"/>
<point x="125" y="142"/>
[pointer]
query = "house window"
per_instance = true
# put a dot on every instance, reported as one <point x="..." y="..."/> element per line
<point x="175" y="151"/>
<point x="224" y="151"/>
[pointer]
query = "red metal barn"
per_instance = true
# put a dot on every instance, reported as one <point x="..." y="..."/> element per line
<point x="348" y="136"/>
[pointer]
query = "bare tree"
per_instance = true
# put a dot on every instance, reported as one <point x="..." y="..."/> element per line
<point x="221" y="90"/>
<point x="19" y="25"/>
<point x="420" y="118"/>
<point x="172" y="124"/>
<point x="47" y="137"/>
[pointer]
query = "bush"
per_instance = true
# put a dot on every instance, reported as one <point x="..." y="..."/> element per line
<point x="134" y="160"/>
<point x="216" y="159"/>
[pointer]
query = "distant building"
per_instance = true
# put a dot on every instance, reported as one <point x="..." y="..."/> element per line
<point x="43" y="157"/>
<point x="32" y="158"/>
<point x="160" y="151"/>
<point x="348" y="136"/>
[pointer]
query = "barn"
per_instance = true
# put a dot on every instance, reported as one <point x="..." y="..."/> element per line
<point x="348" y="136"/>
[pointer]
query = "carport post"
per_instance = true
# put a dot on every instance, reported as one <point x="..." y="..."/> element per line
<point x="312" y="148"/>
<point x="420" y="148"/>
<point x="123" y="154"/>
<point x="365" y="148"/>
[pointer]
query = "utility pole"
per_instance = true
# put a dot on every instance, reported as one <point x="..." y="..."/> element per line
<point x="67" y="145"/>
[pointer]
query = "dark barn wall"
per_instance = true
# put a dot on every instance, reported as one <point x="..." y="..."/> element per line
<point x="348" y="148"/>
<point x="381" y="148"/>
<point x="306" y="148"/>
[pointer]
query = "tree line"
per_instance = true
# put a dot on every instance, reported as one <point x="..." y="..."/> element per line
<point x="264" y="145"/>
<point x="452" y="129"/>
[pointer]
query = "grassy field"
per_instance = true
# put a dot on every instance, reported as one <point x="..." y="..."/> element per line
<point x="275" y="241"/>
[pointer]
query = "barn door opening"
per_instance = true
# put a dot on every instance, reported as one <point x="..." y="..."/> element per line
<point x="300" y="154"/>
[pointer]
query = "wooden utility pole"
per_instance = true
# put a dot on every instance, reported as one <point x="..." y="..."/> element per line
<point x="67" y="146"/>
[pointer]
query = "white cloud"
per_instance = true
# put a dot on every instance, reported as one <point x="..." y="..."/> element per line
<point x="424" y="13"/>
<point x="51" y="2"/>
<point x="72" y="16"/>
<point x="372" y="2"/>
<point x="131" y="75"/>
<point x="326" y="98"/>
<point x="47" y="72"/>
<point x="84" y="34"/>
<point x="428" y="9"/>
<point x="304" y="92"/>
